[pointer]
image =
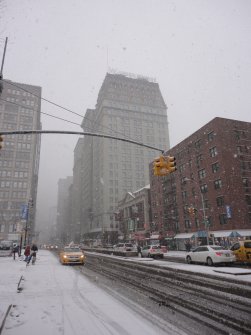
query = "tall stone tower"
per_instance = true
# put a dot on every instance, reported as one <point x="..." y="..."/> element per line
<point x="129" y="107"/>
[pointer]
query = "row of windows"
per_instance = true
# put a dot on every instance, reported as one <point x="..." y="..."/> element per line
<point x="23" y="93"/>
<point x="16" y="174"/>
<point x="13" y="126"/>
<point x="19" y="145"/>
<point x="23" y="101"/>
<point x="239" y="134"/>
<point x="15" y="194"/>
<point x="18" y="164"/>
<point x="10" y="227"/>
<point x="215" y="166"/>
<point x="13" y="184"/>
<point x="9" y="155"/>
<point x="222" y="220"/>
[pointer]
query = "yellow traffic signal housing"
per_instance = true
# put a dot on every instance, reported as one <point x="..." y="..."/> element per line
<point x="164" y="165"/>
<point x="171" y="164"/>
<point x="158" y="165"/>
<point x="191" y="210"/>
<point x="1" y="141"/>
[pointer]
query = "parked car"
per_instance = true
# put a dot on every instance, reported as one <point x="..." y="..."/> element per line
<point x="210" y="255"/>
<point x="6" y="248"/>
<point x="124" y="247"/>
<point x="152" y="251"/>
<point x="242" y="251"/>
<point x="72" y="255"/>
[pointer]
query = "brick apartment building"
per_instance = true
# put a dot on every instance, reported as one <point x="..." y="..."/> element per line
<point x="213" y="178"/>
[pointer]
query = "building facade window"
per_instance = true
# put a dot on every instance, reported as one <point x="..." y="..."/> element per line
<point x="203" y="188"/>
<point x="188" y="224"/>
<point x="210" y="136"/>
<point x="248" y="199"/>
<point x="245" y="182"/>
<point x="198" y="144"/>
<point x="199" y="160"/>
<point x="215" y="167"/>
<point x="202" y="173"/>
<point x="184" y="195"/>
<point x="223" y="218"/>
<point x="206" y="204"/>
<point x="217" y="184"/>
<point x="220" y="201"/>
<point x="213" y="152"/>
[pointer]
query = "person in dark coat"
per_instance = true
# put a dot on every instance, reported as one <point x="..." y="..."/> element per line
<point x="188" y="245"/>
<point x="33" y="254"/>
<point x="27" y="252"/>
<point x="139" y="249"/>
<point x="15" y="250"/>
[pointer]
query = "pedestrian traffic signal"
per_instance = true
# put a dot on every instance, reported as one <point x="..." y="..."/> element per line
<point x="171" y="164"/>
<point x="1" y="141"/>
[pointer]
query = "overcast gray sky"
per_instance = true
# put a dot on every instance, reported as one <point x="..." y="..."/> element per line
<point x="199" y="52"/>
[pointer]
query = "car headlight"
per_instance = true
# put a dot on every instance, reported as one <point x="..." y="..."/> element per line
<point x="64" y="256"/>
<point x="82" y="256"/>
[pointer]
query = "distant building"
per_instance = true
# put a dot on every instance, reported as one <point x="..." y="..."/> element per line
<point x="134" y="215"/>
<point x="130" y="108"/>
<point x="20" y="108"/>
<point x="64" y="210"/>
<point x="211" y="189"/>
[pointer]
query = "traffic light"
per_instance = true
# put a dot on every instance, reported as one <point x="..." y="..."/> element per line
<point x="158" y="165"/>
<point x="1" y="141"/>
<point x="164" y="165"/>
<point x="171" y="164"/>
<point x="191" y="210"/>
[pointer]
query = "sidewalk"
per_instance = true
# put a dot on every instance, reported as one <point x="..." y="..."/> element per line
<point x="57" y="299"/>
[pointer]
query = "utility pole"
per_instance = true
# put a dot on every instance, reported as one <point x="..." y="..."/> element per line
<point x="1" y="72"/>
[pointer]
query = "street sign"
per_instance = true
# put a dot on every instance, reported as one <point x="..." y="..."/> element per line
<point x="24" y="212"/>
<point x="229" y="212"/>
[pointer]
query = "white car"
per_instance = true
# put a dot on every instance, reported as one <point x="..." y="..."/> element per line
<point x="152" y="251"/>
<point x="124" y="247"/>
<point x="210" y="255"/>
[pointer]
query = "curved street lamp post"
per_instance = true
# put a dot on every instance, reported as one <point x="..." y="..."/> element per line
<point x="205" y="220"/>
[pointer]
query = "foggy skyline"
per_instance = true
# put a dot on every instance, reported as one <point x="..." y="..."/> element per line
<point x="198" y="51"/>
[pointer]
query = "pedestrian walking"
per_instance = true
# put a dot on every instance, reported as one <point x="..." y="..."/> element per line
<point x="188" y="245"/>
<point x="15" y="250"/>
<point x="139" y="250"/>
<point x="27" y="252"/>
<point x="33" y="254"/>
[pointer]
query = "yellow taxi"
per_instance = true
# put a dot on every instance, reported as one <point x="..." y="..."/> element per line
<point x="242" y="251"/>
<point x="72" y="255"/>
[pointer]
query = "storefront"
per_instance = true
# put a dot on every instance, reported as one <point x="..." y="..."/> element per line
<point x="182" y="238"/>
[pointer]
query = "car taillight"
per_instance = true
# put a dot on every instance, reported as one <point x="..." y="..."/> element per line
<point x="218" y="253"/>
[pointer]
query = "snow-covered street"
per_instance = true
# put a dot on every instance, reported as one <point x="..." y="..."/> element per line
<point x="58" y="299"/>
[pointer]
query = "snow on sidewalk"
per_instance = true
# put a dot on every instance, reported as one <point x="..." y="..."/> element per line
<point x="59" y="299"/>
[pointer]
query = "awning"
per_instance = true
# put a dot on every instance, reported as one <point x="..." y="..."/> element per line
<point x="201" y="233"/>
<point x="184" y="235"/>
<point x="235" y="234"/>
<point x="244" y="233"/>
<point x="155" y="237"/>
<point x="231" y="233"/>
<point x="221" y="233"/>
